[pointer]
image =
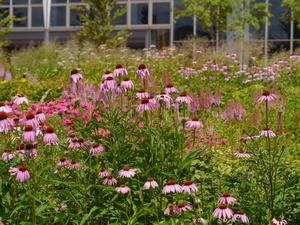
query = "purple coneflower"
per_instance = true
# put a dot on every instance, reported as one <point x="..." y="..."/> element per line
<point x="152" y="102"/>
<point x="21" y="172"/>
<point x="267" y="96"/>
<point x="77" y="143"/>
<point x="164" y="98"/>
<point x="76" y="76"/>
<point x="30" y="150"/>
<point x="7" y="155"/>
<point x="142" y="94"/>
<point x="182" y="207"/>
<point x="189" y="186"/>
<point x="6" y="124"/>
<point x="20" y="99"/>
<point x="170" y="89"/>
<point x="103" y="173"/>
<point x="31" y="120"/>
<point x="40" y="116"/>
<point x="96" y="149"/>
<point x="120" y="71"/>
<point x="63" y="163"/>
<point x="150" y="183"/>
<point x="267" y="133"/>
<point x="127" y="172"/>
<point x="278" y="222"/>
<point x="167" y="211"/>
<point x="142" y="72"/>
<point x="144" y="106"/>
<point x="226" y="199"/>
<point x="69" y="138"/>
<point x="126" y="84"/>
<point x="241" y="154"/>
<point x="172" y="187"/>
<point x="240" y="217"/>
<point x="183" y="97"/>
<point x="5" y="108"/>
<point x="74" y="165"/>
<point x="50" y="138"/>
<point x="106" y="75"/>
<point x="110" y="83"/>
<point x="29" y="134"/>
<point x="123" y="189"/>
<point x="110" y="180"/>
<point x="223" y="212"/>
<point x="193" y="123"/>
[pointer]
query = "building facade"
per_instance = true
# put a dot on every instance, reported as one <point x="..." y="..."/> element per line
<point x="151" y="22"/>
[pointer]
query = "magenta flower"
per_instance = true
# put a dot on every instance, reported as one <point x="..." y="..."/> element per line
<point x="267" y="96"/>
<point x="50" y="138"/>
<point x="106" y="75"/>
<point x="123" y="189"/>
<point x="77" y="143"/>
<point x="104" y="173"/>
<point x="20" y="99"/>
<point x="96" y="149"/>
<point x="152" y="102"/>
<point x="63" y="163"/>
<point x="40" y="116"/>
<point x="189" y="187"/>
<point x="170" y="89"/>
<point x="183" y="98"/>
<point x="144" y="106"/>
<point x="150" y="183"/>
<point x="29" y="134"/>
<point x="194" y="123"/>
<point x="142" y="94"/>
<point x="240" y="217"/>
<point x="126" y="84"/>
<point x="241" y="154"/>
<point x="8" y="155"/>
<point x="5" y="108"/>
<point x="31" y="120"/>
<point x="74" y="165"/>
<point x="127" y="172"/>
<point x="120" y="71"/>
<point x="279" y="222"/>
<point x="223" y="212"/>
<point x="76" y="76"/>
<point x="267" y="133"/>
<point x="181" y="207"/>
<point x="6" y="124"/>
<point x="226" y="199"/>
<point x="142" y="72"/>
<point x="21" y="172"/>
<point x="110" y="84"/>
<point x="167" y="211"/>
<point x="110" y="180"/>
<point x="172" y="187"/>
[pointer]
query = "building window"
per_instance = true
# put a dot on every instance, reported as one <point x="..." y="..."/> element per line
<point x="37" y="2"/>
<point x="75" y="15"/>
<point x="5" y="2"/>
<point x="20" y="2"/>
<point x="58" y="16"/>
<point x="22" y="14"/>
<point x="161" y="13"/>
<point x="160" y="38"/>
<point x="139" y="13"/>
<point x="37" y="19"/>
<point x="121" y="20"/>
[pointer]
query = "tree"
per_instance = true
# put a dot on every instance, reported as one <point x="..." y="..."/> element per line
<point x="5" y="25"/>
<point x="292" y="14"/>
<point x="97" y="22"/>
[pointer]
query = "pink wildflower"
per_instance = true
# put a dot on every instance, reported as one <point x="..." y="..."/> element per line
<point x="127" y="172"/>
<point x="150" y="183"/>
<point x="223" y="212"/>
<point x="21" y="172"/>
<point x="172" y="187"/>
<point x="123" y="189"/>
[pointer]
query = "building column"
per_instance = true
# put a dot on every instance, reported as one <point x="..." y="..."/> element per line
<point x="46" y="11"/>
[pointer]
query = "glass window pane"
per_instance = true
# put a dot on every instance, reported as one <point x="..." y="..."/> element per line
<point x="160" y="38"/>
<point x="139" y="13"/>
<point x="20" y="13"/>
<point x="75" y="15"/>
<point x="19" y="2"/>
<point x="36" y="1"/>
<point x="58" y="16"/>
<point x="5" y="2"/>
<point x="75" y="1"/>
<point x="58" y="1"/>
<point x="37" y="17"/>
<point x="121" y="20"/>
<point x="161" y="13"/>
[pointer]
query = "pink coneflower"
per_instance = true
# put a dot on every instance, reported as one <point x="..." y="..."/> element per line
<point x="40" y="116"/>
<point x="170" y="89"/>
<point x="193" y="123"/>
<point x="29" y="134"/>
<point x="31" y="120"/>
<point x="103" y="173"/>
<point x="74" y="165"/>
<point x="77" y="143"/>
<point x="164" y="98"/>
<point x="267" y="133"/>
<point x="110" y="180"/>
<point x="267" y="96"/>
<point x="182" y="207"/>
<point x="63" y="162"/>
<point x="5" y="108"/>
<point x="20" y="99"/>
<point x="7" y="155"/>
<point x="240" y="217"/>
<point x="123" y="189"/>
<point x="226" y="199"/>
<point x="223" y="212"/>
<point x="21" y="172"/>
<point x="279" y="222"/>
<point x="142" y="94"/>
<point x="30" y="150"/>
<point x="50" y="138"/>
<point x="120" y="71"/>
<point x="144" y="106"/>
<point x="126" y="84"/>
<point x="183" y="98"/>
<point x="150" y="183"/>
<point x="69" y="138"/>
<point x="6" y="124"/>
<point x="241" y="154"/>
<point x="152" y="102"/>
<point x="172" y="187"/>
<point x="142" y="72"/>
<point x="127" y="172"/>
<point x="167" y="211"/>
<point x="199" y="220"/>
<point x="189" y="186"/>
<point x="110" y="83"/>
<point x="76" y="76"/>
<point x="96" y="149"/>
<point x="106" y="75"/>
